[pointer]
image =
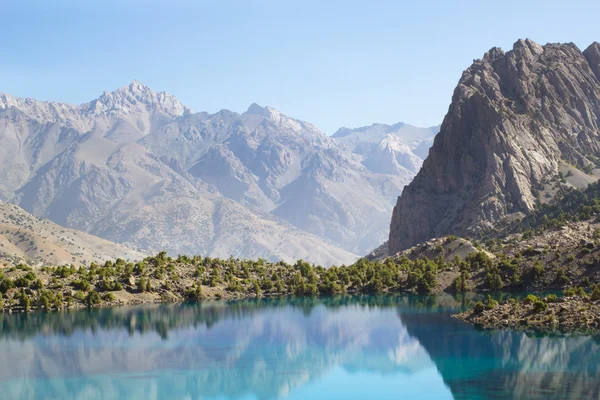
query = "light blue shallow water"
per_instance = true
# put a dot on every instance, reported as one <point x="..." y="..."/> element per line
<point x="338" y="348"/>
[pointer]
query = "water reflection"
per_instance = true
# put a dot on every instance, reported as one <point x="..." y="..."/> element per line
<point x="345" y="347"/>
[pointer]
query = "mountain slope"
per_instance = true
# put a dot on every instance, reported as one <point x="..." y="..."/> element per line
<point x="27" y="239"/>
<point x="286" y="167"/>
<point x="517" y="122"/>
<point x="123" y="192"/>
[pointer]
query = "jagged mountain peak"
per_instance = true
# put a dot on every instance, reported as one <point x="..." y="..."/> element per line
<point x="528" y="46"/>
<point x="368" y="129"/>
<point x="133" y="99"/>
<point x="129" y="98"/>
<point x="256" y="109"/>
<point x="135" y="89"/>
<point x="593" y="48"/>
<point x="376" y="132"/>
<point x="273" y="123"/>
<point x="266" y="112"/>
<point x="493" y="54"/>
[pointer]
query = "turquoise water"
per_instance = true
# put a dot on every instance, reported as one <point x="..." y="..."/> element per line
<point x="403" y="347"/>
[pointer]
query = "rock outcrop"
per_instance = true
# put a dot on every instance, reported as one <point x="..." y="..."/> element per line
<point x="515" y="120"/>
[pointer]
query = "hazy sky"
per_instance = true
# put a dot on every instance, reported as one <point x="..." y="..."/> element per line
<point x="332" y="63"/>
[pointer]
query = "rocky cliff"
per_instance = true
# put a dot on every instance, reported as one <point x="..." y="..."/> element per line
<point x="517" y="120"/>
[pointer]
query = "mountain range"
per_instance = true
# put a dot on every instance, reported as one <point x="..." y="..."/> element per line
<point x="139" y="168"/>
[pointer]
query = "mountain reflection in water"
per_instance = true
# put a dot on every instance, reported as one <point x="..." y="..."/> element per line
<point x="344" y="347"/>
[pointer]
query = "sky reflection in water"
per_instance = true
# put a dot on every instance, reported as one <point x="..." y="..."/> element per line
<point x="342" y="348"/>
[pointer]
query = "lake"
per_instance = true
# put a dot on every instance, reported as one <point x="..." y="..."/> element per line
<point x="385" y="347"/>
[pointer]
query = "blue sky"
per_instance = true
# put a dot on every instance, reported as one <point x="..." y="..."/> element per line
<point x="333" y="63"/>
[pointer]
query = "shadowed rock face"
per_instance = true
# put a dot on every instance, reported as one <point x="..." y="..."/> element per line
<point x="515" y="117"/>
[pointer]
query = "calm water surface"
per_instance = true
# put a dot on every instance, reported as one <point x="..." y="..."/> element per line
<point x="338" y="348"/>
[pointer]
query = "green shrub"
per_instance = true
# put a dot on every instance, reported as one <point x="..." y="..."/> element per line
<point x="200" y="270"/>
<point x="108" y="296"/>
<point x="516" y="279"/>
<point x="530" y="299"/>
<point x="22" y="282"/>
<point x="193" y="292"/>
<point x="30" y="276"/>
<point x="537" y="270"/>
<point x="109" y="286"/>
<point x="235" y="286"/>
<point x="82" y="284"/>
<point x="6" y="284"/>
<point x="574" y="291"/>
<point x="551" y="298"/>
<point x="49" y="299"/>
<point x="79" y="295"/>
<point x="37" y="285"/>
<point x="595" y="296"/>
<point x="561" y="277"/>
<point x="24" y="299"/>
<point x="93" y="298"/>
<point x="461" y="284"/>
<point x="479" y="307"/>
<point x="142" y="284"/>
<point x="490" y="304"/>
<point x="493" y="281"/>
<point x="539" y="306"/>
<point x="256" y="288"/>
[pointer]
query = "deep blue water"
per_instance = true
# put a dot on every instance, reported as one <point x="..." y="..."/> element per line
<point x="347" y="348"/>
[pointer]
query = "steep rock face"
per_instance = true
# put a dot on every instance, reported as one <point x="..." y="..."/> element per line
<point x="514" y="120"/>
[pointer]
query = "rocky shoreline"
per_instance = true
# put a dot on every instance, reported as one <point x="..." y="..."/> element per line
<point x="577" y="314"/>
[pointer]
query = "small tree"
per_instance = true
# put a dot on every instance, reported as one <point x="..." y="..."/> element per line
<point x="479" y="307"/>
<point x="141" y="285"/>
<point x="539" y="306"/>
<point x="93" y="298"/>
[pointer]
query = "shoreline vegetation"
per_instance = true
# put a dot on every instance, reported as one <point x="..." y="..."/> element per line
<point x="165" y="279"/>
